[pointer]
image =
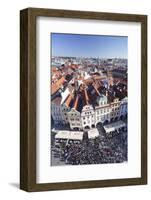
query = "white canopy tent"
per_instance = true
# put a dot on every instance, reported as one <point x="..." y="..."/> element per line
<point x="93" y="133"/>
<point x="69" y="135"/>
<point x="114" y="126"/>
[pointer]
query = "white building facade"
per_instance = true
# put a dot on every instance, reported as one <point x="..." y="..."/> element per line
<point x="88" y="117"/>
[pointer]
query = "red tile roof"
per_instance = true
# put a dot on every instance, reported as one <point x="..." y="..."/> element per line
<point x="68" y="100"/>
<point x="76" y="102"/>
<point x="86" y="96"/>
<point x="55" y="87"/>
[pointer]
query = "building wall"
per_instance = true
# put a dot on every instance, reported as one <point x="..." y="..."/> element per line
<point x="88" y="117"/>
<point x="123" y="107"/>
<point x="56" y="112"/>
<point x="64" y="111"/>
<point x="74" y="118"/>
<point x="102" y="113"/>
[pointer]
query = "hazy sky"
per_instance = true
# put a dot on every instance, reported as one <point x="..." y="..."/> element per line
<point x="89" y="45"/>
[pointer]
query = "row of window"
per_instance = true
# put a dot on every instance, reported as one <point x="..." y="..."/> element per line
<point x="103" y="111"/>
<point x="88" y="122"/>
<point x="103" y="118"/>
<point x="55" y="108"/>
<point x="114" y="114"/>
<point x="115" y="109"/>
<point x="87" y="117"/>
<point x="115" y="105"/>
<point x="87" y="113"/>
<point x="57" y="118"/>
<point x="73" y="124"/>
<point x="76" y="119"/>
<point x="102" y="102"/>
<point x="55" y="114"/>
<point x="124" y="107"/>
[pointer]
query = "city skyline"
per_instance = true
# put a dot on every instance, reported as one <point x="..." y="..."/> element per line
<point x="81" y="45"/>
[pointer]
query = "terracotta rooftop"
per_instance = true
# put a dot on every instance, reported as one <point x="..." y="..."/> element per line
<point x="86" y="96"/>
<point x="68" y="100"/>
<point x="55" y="87"/>
<point x="76" y="102"/>
<point x="61" y="81"/>
<point x="96" y="77"/>
<point x="54" y="69"/>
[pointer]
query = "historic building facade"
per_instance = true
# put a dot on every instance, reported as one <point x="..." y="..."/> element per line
<point x="90" y="116"/>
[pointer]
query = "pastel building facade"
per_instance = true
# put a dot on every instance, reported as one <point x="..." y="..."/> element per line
<point x="56" y="111"/>
<point x="74" y="118"/>
<point x="90" y="116"/>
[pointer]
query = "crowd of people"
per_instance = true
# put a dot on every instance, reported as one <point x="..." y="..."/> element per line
<point x="102" y="149"/>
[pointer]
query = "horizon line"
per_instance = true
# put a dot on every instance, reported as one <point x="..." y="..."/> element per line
<point x="91" y="57"/>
